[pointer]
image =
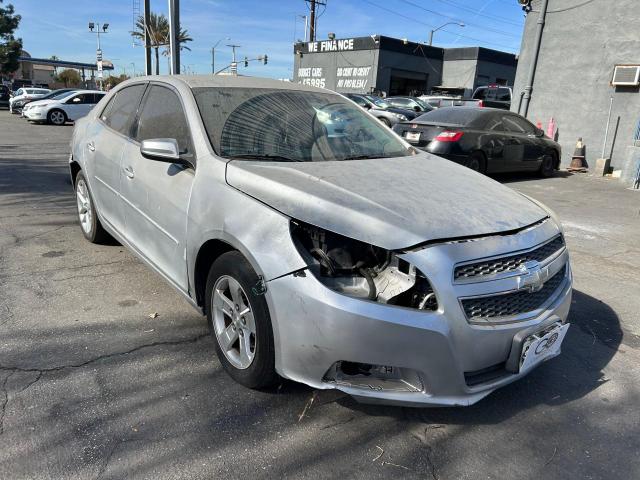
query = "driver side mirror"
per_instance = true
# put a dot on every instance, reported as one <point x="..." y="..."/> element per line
<point x="161" y="149"/>
<point x="417" y="108"/>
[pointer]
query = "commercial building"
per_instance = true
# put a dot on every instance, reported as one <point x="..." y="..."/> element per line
<point x="42" y="71"/>
<point x="576" y="79"/>
<point x="397" y="67"/>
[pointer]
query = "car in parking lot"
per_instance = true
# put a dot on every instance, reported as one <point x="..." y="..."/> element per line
<point x="380" y="109"/>
<point x="409" y="103"/>
<point x="487" y="140"/>
<point x="24" y="95"/>
<point x="63" y="108"/>
<point x="494" y="96"/>
<point x="59" y="93"/>
<point x="321" y="246"/>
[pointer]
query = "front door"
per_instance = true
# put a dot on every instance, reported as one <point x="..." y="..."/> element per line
<point x="156" y="194"/>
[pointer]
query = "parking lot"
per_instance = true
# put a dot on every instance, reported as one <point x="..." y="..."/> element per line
<point x="106" y="372"/>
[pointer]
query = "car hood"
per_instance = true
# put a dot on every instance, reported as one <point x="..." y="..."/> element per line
<point x="39" y="103"/>
<point x="393" y="203"/>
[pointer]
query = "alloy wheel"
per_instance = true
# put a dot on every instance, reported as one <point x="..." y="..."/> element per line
<point x="84" y="206"/>
<point x="57" y="117"/>
<point x="233" y="322"/>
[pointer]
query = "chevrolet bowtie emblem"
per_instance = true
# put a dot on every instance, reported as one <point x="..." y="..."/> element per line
<point x="533" y="277"/>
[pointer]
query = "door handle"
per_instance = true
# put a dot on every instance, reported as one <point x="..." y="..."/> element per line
<point x="91" y="146"/>
<point x="128" y="171"/>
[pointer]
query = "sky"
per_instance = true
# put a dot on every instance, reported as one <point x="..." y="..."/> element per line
<point x="60" y="27"/>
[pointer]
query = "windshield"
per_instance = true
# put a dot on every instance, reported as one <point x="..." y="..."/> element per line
<point x="290" y="125"/>
<point x="58" y="96"/>
<point x="377" y="101"/>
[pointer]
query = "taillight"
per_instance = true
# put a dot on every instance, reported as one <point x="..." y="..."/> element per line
<point x="448" y="136"/>
<point x="480" y="104"/>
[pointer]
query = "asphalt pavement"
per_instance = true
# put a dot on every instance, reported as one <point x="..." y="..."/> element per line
<point x="106" y="372"/>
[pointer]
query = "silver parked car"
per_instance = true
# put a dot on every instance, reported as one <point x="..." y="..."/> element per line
<point x="321" y="246"/>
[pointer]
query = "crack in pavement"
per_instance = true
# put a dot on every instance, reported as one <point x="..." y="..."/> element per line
<point x="41" y="371"/>
<point x="5" y="401"/>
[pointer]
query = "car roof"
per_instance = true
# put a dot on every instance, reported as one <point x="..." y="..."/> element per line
<point x="227" y="81"/>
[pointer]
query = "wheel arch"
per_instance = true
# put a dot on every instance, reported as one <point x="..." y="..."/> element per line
<point x="208" y="253"/>
<point x="74" y="169"/>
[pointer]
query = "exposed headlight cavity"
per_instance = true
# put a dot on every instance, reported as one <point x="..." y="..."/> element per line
<point x="361" y="270"/>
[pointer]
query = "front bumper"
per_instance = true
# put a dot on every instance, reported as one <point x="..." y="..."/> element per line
<point x="34" y="115"/>
<point x="315" y="327"/>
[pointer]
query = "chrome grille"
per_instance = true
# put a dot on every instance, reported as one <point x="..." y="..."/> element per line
<point x="508" y="264"/>
<point x="509" y="304"/>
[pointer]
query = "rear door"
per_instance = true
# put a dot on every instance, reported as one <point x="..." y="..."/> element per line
<point x="106" y="139"/>
<point x="156" y="194"/>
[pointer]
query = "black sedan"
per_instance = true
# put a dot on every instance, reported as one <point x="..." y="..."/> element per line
<point x="487" y="140"/>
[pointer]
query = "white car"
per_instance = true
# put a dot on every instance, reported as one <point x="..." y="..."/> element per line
<point x="25" y="95"/>
<point x="60" y="110"/>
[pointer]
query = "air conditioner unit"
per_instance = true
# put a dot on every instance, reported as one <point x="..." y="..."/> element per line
<point x="626" y="75"/>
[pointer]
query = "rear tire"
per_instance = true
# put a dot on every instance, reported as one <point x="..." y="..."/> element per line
<point x="89" y="222"/>
<point x="548" y="166"/>
<point x="230" y="291"/>
<point x="56" y="117"/>
<point x="477" y="162"/>
<point x="385" y="121"/>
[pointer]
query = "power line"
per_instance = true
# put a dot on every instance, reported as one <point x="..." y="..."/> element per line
<point x="500" y="32"/>
<point x="480" y="14"/>
<point x="432" y="26"/>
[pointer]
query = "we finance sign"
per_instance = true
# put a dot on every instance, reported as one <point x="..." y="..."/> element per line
<point x="343" y="45"/>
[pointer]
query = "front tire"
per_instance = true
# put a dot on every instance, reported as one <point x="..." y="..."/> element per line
<point x="57" y="117"/>
<point x="89" y="222"/>
<point x="385" y="121"/>
<point x="240" y="323"/>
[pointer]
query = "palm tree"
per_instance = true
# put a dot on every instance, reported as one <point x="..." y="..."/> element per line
<point x="183" y="37"/>
<point x="159" y="35"/>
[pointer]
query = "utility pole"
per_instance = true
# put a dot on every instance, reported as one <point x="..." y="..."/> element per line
<point x="92" y="26"/>
<point x="147" y="38"/>
<point x="213" y="54"/>
<point x="313" y="21"/>
<point x="534" y="61"/>
<point x="234" y="64"/>
<point x="174" y="34"/>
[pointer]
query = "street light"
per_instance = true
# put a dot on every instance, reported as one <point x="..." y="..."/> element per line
<point x="93" y="29"/>
<point x="460" y="24"/>
<point x="213" y="54"/>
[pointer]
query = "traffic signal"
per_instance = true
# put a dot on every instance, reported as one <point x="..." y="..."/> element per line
<point x="246" y="62"/>
<point x="264" y="60"/>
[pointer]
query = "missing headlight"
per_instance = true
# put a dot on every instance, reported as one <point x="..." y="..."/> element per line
<point x="362" y="270"/>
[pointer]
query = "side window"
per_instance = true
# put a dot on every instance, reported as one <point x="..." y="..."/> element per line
<point x="19" y="92"/>
<point x="495" y="124"/>
<point x="97" y="97"/>
<point x="77" y="99"/>
<point x="163" y="117"/>
<point x="120" y="111"/>
<point x="517" y="125"/>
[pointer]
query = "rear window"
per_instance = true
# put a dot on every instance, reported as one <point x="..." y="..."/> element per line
<point x="501" y="94"/>
<point x="463" y="116"/>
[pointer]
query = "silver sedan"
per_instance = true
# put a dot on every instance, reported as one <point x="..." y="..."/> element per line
<point x="320" y="245"/>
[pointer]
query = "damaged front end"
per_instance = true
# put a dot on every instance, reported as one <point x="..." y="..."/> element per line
<point x="360" y="270"/>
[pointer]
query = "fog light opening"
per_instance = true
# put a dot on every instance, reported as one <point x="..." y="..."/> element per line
<point x="374" y="377"/>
